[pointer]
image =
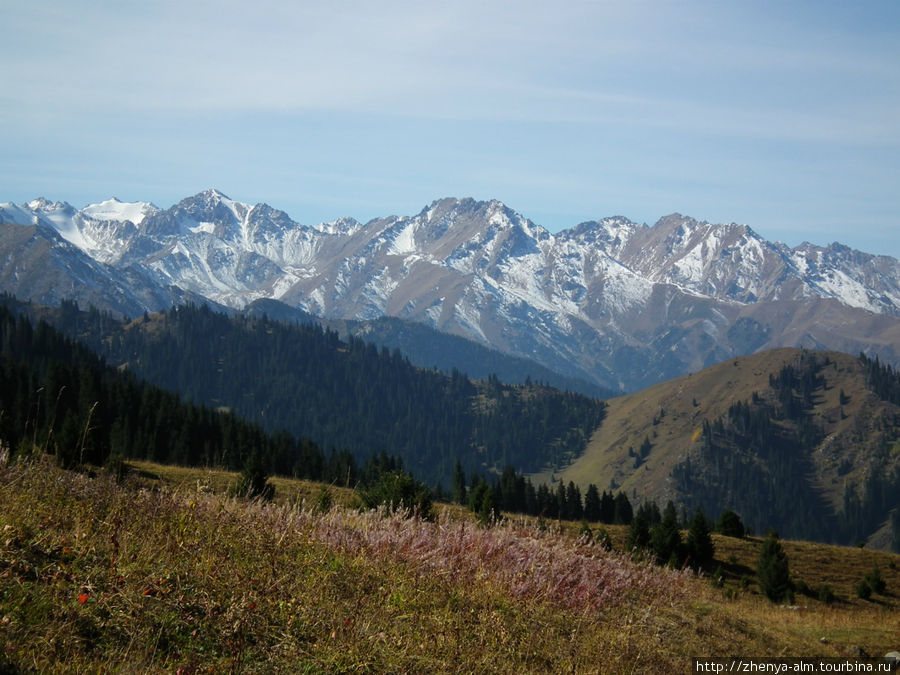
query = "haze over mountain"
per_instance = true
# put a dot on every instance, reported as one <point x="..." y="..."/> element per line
<point x="618" y="303"/>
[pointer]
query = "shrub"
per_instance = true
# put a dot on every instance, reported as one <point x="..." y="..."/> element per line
<point x="585" y="534"/>
<point x="718" y="577"/>
<point x="826" y="595"/>
<point x="876" y="581"/>
<point x="863" y="591"/>
<point x="603" y="540"/>
<point x="398" y="491"/>
<point x="324" y="500"/>
<point x="873" y="582"/>
<point x="253" y="483"/>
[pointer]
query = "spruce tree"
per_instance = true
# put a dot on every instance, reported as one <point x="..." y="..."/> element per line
<point x="592" y="504"/>
<point x="638" y="534"/>
<point x="700" y="548"/>
<point x="730" y="525"/>
<point x="459" y="484"/>
<point x="607" y="508"/>
<point x="772" y="570"/>
<point x="623" y="513"/>
<point x="562" y="503"/>
<point x="573" y="502"/>
<point x="665" y="538"/>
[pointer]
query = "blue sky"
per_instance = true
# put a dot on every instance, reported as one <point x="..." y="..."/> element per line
<point x="781" y="115"/>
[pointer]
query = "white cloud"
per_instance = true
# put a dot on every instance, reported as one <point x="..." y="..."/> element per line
<point x="691" y="101"/>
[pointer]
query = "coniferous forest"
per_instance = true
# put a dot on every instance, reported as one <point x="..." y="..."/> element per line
<point x="347" y="396"/>
<point x="758" y="456"/>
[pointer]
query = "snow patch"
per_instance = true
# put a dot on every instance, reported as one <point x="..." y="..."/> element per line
<point x="113" y="209"/>
<point x="405" y="241"/>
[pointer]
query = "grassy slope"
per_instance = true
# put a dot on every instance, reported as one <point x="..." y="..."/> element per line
<point x="99" y="576"/>
<point x="679" y="406"/>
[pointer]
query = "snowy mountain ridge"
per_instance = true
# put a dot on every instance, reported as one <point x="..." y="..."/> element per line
<point x="620" y="303"/>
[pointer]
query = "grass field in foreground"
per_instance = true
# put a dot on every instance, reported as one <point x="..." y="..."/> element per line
<point x="97" y="576"/>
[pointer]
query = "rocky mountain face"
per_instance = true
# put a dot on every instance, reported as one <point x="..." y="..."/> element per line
<point x="621" y="304"/>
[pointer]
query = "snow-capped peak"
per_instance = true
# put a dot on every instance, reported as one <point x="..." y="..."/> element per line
<point x="113" y="209"/>
<point x="46" y="206"/>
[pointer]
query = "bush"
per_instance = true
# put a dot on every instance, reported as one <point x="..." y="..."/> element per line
<point x="863" y="591"/>
<point x="873" y="582"/>
<point x="253" y="483"/>
<point x="398" y="490"/>
<point x="602" y="539"/>
<point x="876" y="581"/>
<point x="324" y="500"/>
<point x="718" y="577"/>
<point x="826" y="595"/>
<point x="585" y="534"/>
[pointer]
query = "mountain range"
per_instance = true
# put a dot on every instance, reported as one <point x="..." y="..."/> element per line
<point x="620" y="304"/>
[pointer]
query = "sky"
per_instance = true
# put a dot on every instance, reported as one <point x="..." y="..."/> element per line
<point x="781" y="115"/>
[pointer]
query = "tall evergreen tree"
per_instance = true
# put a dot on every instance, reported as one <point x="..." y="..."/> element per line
<point x="699" y="544"/>
<point x="772" y="570"/>
<point x="638" y="537"/>
<point x="665" y="537"/>
<point x="730" y="525"/>
<point x="622" y="513"/>
<point x="592" y="504"/>
<point x="459" y="484"/>
<point x="607" y="508"/>
<point x="573" y="502"/>
<point x="562" y="503"/>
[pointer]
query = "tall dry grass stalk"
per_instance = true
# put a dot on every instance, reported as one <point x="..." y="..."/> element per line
<point x="95" y="576"/>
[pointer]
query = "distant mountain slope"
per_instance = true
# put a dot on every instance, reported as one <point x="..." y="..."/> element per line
<point x="798" y="440"/>
<point x="345" y="395"/>
<point x="427" y="347"/>
<point x="619" y="304"/>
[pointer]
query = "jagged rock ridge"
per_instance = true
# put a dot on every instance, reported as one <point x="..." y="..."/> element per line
<point x="622" y="304"/>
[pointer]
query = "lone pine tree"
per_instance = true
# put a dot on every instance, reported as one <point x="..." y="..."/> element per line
<point x="772" y="570"/>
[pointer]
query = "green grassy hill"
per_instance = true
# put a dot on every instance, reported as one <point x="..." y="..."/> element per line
<point x="842" y="440"/>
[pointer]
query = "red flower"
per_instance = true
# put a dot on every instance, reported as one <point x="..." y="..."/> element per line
<point x="83" y="598"/>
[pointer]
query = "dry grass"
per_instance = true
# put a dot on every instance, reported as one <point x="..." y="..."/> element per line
<point x="95" y="576"/>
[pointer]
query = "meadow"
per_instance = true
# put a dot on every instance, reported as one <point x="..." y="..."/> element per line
<point x="163" y="572"/>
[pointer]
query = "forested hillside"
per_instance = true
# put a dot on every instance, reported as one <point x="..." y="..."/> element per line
<point x="429" y="348"/>
<point x="761" y="456"/>
<point x="58" y="397"/>
<point x="802" y="441"/>
<point x="345" y="395"/>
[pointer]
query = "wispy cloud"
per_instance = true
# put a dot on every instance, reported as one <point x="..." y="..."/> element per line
<point x="689" y="102"/>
